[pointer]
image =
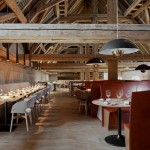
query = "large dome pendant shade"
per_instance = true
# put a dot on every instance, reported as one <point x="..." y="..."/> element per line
<point x="95" y="61"/>
<point x="118" y="47"/>
<point x="142" y="68"/>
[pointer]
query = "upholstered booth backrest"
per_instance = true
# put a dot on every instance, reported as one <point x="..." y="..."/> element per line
<point x="140" y="121"/>
<point x="89" y="84"/>
<point x="96" y="94"/>
<point x="143" y="86"/>
<point x="113" y="87"/>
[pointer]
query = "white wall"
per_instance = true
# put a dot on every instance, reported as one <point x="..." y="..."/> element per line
<point x="133" y="75"/>
<point x="14" y="73"/>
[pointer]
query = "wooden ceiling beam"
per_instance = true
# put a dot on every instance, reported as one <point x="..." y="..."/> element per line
<point x="48" y="66"/>
<point x="49" y="5"/>
<point x="66" y="8"/>
<point x="84" y="57"/>
<point x="12" y="57"/>
<point x="6" y="17"/>
<point x="131" y="7"/>
<point x="111" y="11"/>
<point x="143" y="7"/>
<point x="72" y="33"/>
<point x="85" y="18"/>
<point x="64" y="66"/>
<point x="32" y="14"/>
<point x="2" y="6"/>
<point x="147" y="15"/>
<point x="14" y="7"/>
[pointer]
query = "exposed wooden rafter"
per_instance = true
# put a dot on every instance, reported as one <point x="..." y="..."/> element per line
<point x="13" y="6"/>
<point x="6" y="17"/>
<point x="131" y="7"/>
<point x="143" y="7"/>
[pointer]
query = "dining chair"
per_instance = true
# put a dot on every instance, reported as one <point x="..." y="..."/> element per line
<point x="21" y="109"/>
<point x="82" y="97"/>
<point x="31" y="104"/>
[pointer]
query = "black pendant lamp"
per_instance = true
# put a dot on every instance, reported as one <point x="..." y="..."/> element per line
<point x="95" y="61"/>
<point x="118" y="47"/>
<point x="143" y="68"/>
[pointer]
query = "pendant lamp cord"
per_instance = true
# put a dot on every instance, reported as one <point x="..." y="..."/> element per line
<point x="117" y="16"/>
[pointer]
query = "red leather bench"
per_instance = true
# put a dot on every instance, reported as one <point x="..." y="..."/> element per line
<point x="113" y="86"/>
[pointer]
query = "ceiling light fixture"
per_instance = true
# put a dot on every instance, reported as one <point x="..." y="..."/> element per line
<point x="143" y="68"/>
<point x="95" y="61"/>
<point x="118" y="47"/>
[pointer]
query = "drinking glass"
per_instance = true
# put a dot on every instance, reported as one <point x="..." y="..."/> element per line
<point x="119" y="93"/>
<point x="1" y="92"/>
<point x="108" y="94"/>
<point x="128" y="95"/>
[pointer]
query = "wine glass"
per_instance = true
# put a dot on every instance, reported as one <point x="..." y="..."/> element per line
<point x="128" y="95"/>
<point x="119" y="93"/>
<point x="1" y="92"/>
<point x="108" y="93"/>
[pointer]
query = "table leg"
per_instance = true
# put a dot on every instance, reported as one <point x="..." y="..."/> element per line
<point x="6" y="126"/>
<point x="119" y="139"/>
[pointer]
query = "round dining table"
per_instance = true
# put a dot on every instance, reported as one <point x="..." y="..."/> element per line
<point x="118" y="139"/>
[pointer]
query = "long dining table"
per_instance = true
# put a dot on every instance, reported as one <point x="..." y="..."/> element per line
<point x="16" y="96"/>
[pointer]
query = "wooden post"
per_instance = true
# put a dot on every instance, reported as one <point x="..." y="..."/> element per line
<point x="87" y="74"/>
<point x="95" y="73"/>
<point x="112" y="70"/>
<point x="82" y="76"/>
<point x="112" y="11"/>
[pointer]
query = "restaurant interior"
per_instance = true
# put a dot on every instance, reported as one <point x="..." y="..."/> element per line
<point x="74" y="74"/>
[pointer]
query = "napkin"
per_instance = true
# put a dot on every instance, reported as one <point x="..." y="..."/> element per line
<point x="126" y="103"/>
<point x="106" y="103"/>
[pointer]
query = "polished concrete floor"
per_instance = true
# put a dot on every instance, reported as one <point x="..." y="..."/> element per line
<point x="59" y="127"/>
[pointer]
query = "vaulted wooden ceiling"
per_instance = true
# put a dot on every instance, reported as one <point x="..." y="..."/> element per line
<point x="85" y="12"/>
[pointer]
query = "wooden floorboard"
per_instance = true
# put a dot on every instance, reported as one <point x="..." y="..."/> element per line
<point x="59" y="127"/>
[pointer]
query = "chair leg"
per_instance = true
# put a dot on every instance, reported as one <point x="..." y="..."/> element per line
<point x="17" y="118"/>
<point x="12" y="118"/>
<point x="79" y="107"/>
<point x="33" y="114"/>
<point x="86" y="109"/>
<point x="30" y="118"/>
<point x="26" y="122"/>
<point x="37" y="110"/>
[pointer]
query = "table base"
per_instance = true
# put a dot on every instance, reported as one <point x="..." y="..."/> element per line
<point x="116" y="140"/>
<point x="7" y="128"/>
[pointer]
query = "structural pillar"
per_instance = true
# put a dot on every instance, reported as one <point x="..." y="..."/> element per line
<point x="112" y="70"/>
<point x="82" y="76"/>
<point x="95" y="73"/>
<point x="87" y="74"/>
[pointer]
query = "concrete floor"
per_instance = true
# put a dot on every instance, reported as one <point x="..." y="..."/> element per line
<point x="59" y="127"/>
